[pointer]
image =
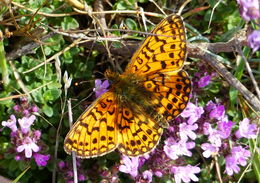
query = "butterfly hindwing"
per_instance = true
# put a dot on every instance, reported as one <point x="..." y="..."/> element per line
<point x="172" y="90"/>
<point x="138" y="133"/>
<point x="95" y="132"/>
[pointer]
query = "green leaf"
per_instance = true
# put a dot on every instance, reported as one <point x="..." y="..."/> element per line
<point x="142" y="1"/>
<point x="54" y="44"/>
<point x="52" y="94"/>
<point x="131" y="24"/>
<point x="47" y="50"/>
<point x="233" y="93"/>
<point x="121" y="5"/>
<point x="47" y="110"/>
<point x="69" y="23"/>
<point x="17" y="178"/>
<point x="256" y="158"/>
<point x="117" y="33"/>
<point x="44" y="74"/>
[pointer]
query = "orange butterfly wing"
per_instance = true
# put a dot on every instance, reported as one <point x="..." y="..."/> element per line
<point x="105" y="126"/>
<point x="138" y="133"/>
<point x="160" y="60"/>
<point x="95" y="132"/>
<point x="164" y="51"/>
<point x="172" y="90"/>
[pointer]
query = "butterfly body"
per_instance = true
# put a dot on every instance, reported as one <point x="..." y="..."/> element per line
<point x="129" y="90"/>
<point x="153" y="89"/>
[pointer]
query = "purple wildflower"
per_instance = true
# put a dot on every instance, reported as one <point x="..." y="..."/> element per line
<point x="215" y="138"/>
<point x="210" y="106"/>
<point x="246" y="130"/>
<point x="70" y="173"/>
<point x="192" y="112"/>
<point x="26" y="122"/>
<point x="204" y="81"/>
<point x="66" y="170"/>
<point x="143" y="159"/>
<point x="17" y="157"/>
<point x="34" y="108"/>
<point x="24" y="108"/>
<point x="16" y="108"/>
<point x="231" y="165"/>
<point x="185" y="173"/>
<point x="40" y="159"/>
<point x="158" y="173"/>
<point x="130" y="165"/>
<point x="26" y="112"/>
<point x="186" y="131"/>
<point x="249" y="9"/>
<point x="148" y="175"/>
<point x="225" y="128"/>
<point x="207" y="129"/>
<point x="11" y="123"/>
<point x="82" y="177"/>
<point x="36" y="135"/>
<point x="100" y="87"/>
<point x="174" y="149"/>
<point x="28" y="146"/>
<point x="237" y="157"/>
<point x="209" y="150"/>
<point x="254" y="40"/>
<point x="241" y="154"/>
<point x="217" y="113"/>
<point x="61" y="164"/>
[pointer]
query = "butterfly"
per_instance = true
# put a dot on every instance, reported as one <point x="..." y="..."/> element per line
<point x="132" y="114"/>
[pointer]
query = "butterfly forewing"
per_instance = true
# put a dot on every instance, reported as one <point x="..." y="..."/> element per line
<point x="95" y="132"/>
<point x="164" y="50"/>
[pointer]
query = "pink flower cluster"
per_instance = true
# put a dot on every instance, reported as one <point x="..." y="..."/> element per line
<point x="221" y="136"/>
<point x="25" y="140"/>
<point x="211" y="122"/>
<point x="249" y="10"/>
<point x="66" y="170"/>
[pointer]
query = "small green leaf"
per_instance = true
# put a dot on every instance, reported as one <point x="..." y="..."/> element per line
<point x="47" y="110"/>
<point x="117" y="33"/>
<point x="69" y="23"/>
<point x="121" y="5"/>
<point x="131" y="24"/>
<point x="47" y="50"/>
<point x="51" y="94"/>
<point x="142" y="1"/>
<point x="17" y="179"/>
